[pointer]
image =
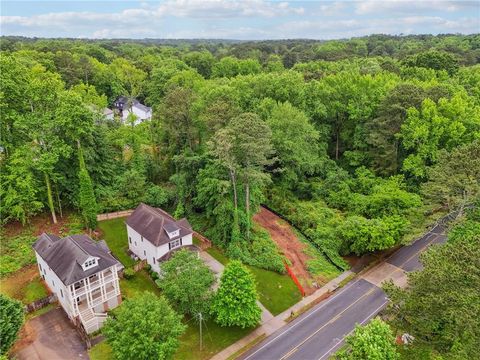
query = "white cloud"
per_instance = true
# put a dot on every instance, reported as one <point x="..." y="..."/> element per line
<point x="220" y="19"/>
<point x="411" y="7"/>
<point x="333" y="8"/>
<point x="335" y="29"/>
<point x="139" y="22"/>
<point x="226" y="8"/>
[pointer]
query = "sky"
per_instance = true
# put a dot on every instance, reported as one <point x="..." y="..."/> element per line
<point x="236" y="19"/>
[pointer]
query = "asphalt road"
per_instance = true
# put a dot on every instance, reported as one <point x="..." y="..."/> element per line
<point x="318" y="333"/>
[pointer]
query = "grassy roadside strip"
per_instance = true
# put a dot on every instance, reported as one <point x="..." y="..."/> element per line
<point x="247" y="347"/>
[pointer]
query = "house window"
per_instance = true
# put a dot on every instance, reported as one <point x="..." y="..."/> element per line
<point x="174" y="244"/>
<point x="154" y="259"/>
<point x="90" y="263"/>
<point x="141" y="237"/>
<point x="40" y="266"/>
<point x="53" y="282"/>
<point x="144" y="253"/>
<point x="135" y="243"/>
<point x="61" y="292"/>
<point x="129" y="239"/>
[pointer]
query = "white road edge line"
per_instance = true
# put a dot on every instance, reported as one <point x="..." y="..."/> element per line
<point x="361" y="323"/>
<point x="306" y="317"/>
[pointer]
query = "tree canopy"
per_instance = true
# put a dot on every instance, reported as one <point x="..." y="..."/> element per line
<point x="144" y="327"/>
<point x="186" y="281"/>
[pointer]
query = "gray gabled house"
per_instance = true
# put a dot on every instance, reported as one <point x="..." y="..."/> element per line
<point x="82" y="273"/>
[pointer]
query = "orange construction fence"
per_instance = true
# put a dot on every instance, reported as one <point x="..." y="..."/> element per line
<point x="295" y="280"/>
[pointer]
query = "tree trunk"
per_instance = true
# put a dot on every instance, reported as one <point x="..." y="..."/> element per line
<point x="50" y="198"/>
<point x="59" y="202"/>
<point x="234" y="185"/>
<point x="337" y="140"/>
<point x="247" y="207"/>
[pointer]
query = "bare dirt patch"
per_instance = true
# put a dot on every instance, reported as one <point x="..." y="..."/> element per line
<point x="15" y="284"/>
<point x="290" y="245"/>
<point x="38" y="225"/>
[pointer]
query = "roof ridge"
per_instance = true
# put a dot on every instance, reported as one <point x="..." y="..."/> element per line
<point x="154" y="211"/>
<point x="78" y="245"/>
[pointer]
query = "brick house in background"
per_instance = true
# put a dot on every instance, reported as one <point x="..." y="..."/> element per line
<point x="153" y="235"/>
<point x="83" y="274"/>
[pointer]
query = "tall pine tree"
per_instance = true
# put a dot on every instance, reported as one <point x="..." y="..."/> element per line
<point x="86" y="196"/>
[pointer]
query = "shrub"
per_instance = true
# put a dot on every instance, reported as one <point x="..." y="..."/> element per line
<point x="154" y="275"/>
<point x="148" y="268"/>
<point x="365" y="235"/>
<point x="15" y="253"/>
<point x="128" y="273"/>
<point x="11" y="320"/>
<point x="262" y="252"/>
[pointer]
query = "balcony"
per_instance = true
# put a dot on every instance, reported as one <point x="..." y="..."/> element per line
<point x="97" y="298"/>
<point x="95" y="283"/>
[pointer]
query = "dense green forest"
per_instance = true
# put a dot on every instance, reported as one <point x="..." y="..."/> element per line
<point x="360" y="144"/>
<point x="356" y="141"/>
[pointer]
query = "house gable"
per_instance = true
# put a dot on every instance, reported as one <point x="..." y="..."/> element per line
<point x="157" y="226"/>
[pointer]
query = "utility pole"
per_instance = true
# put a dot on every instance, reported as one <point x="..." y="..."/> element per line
<point x="201" y="318"/>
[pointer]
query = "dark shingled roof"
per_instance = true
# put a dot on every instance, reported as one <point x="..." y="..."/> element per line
<point x="122" y="101"/>
<point x="154" y="223"/>
<point x="169" y="254"/>
<point x="66" y="256"/>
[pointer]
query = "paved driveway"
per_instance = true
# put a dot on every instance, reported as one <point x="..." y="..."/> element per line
<point x="51" y="336"/>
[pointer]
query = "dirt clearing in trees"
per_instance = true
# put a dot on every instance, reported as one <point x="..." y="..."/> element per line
<point x="289" y="245"/>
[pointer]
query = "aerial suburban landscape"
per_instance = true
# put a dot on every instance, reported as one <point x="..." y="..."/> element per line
<point x="252" y="180"/>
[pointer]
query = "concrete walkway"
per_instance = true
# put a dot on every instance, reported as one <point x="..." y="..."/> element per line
<point x="217" y="269"/>
<point x="274" y="323"/>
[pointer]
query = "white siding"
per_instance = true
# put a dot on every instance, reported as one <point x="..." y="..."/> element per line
<point x="55" y="285"/>
<point x="141" y="115"/>
<point x="146" y="250"/>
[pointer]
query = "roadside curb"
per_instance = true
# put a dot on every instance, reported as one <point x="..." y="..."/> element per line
<point x="277" y="322"/>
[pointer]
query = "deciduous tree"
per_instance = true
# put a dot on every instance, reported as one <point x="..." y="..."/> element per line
<point x="11" y="320"/>
<point x="374" y="341"/>
<point x="186" y="282"/>
<point x="235" y="303"/>
<point x="144" y="327"/>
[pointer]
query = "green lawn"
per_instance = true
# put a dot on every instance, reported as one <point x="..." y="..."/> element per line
<point x="35" y="290"/>
<point x="276" y="292"/>
<point x="215" y="339"/>
<point x="115" y="234"/>
<point x="218" y="255"/>
<point x="101" y="351"/>
<point x="139" y="283"/>
<point x="24" y="285"/>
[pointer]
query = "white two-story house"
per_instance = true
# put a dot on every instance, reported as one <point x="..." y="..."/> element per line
<point x="125" y="107"/>
<point x="83" y="274"/>
<point x="153" y="235"/>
